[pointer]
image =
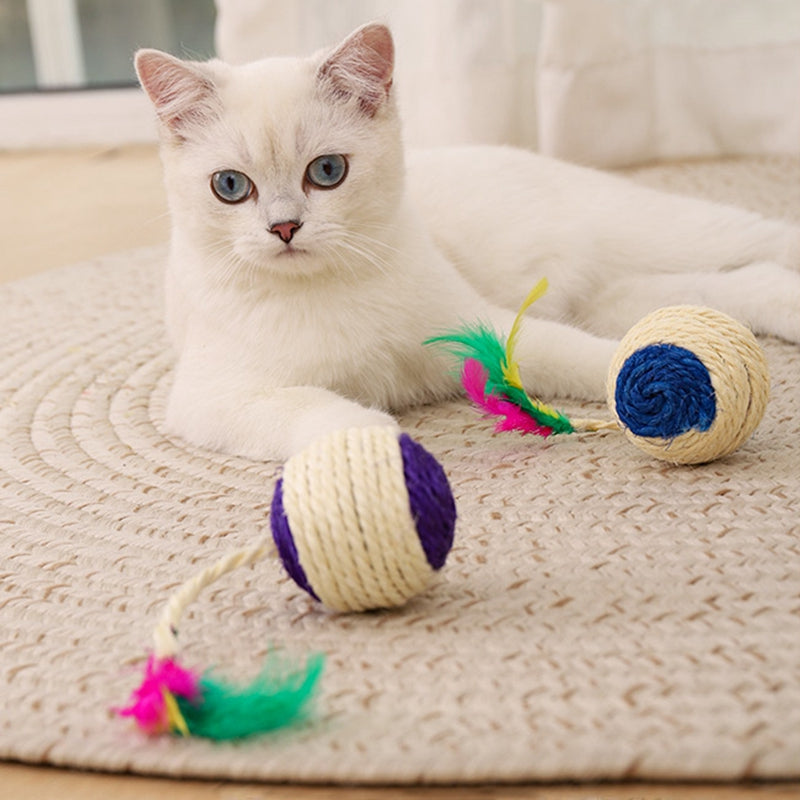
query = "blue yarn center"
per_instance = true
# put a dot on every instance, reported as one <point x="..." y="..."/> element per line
<point x="663" y="391"/>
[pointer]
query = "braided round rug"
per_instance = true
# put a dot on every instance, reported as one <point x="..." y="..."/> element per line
<point x="602" y="615"/>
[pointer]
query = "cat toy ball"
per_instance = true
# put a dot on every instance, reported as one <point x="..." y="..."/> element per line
<point x="361" y="519"/>
<point x="687" y="384"/>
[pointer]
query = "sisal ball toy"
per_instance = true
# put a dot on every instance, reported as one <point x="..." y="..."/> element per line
<point x="686" y="385"/>
<point x="361" y="519"/>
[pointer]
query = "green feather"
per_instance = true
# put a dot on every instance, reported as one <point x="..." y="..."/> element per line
<point x="277" y="697"/>
<point x="480" y="342"/>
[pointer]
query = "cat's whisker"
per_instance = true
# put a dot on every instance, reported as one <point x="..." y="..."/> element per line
<point x="365" y="255"/>
<point x="338" y="259"/>
<point x="228" y="265"/>
<point x="366" y="248"/>
<point x="332" y="241"/>
<point x="372" y="242"/>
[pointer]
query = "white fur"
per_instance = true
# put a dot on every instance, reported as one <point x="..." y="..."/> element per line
<point x="278" y="344"/>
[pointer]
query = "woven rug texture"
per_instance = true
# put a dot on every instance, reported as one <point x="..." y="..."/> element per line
<point x="602" y="615"/>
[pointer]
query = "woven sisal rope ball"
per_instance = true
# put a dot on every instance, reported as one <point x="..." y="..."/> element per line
<point x="363" y="518"/>
<point x="688" y="384"/>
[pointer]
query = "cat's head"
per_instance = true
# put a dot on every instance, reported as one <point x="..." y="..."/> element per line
<point x="286" y="166"/>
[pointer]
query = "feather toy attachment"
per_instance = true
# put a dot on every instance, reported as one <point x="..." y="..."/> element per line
<point x="173" y="699"/>
<point x="475" y="380"/>
<point x="491" y="378"/>
<point x="153" y="703"/>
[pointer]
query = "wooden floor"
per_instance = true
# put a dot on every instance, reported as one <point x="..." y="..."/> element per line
<point x="61" y="207"/>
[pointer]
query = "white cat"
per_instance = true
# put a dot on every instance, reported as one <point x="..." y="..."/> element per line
<point x="309" y="260"/>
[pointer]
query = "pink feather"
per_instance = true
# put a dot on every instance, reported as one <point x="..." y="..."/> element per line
<point x="474" y="377"/>
<point x="147" y="706"/>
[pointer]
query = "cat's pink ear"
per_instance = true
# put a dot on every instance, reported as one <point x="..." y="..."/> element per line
<point x="181" y="91"/>
<point x="362" y="67"/>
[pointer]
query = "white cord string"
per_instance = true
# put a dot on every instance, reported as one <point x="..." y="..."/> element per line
<point x="165" y="636"/>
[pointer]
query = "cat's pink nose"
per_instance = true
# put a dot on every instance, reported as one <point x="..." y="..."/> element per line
<point x="286" y="230"/>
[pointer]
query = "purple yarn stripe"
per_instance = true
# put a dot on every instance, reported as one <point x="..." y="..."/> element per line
<point x="432" y="506"/>
<point x="284" y="541"/>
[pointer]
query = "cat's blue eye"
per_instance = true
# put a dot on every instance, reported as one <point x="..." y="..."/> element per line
<point x="326" y="172"/>
<point x="231" y="186"/>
